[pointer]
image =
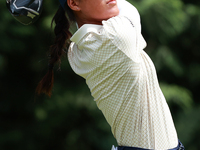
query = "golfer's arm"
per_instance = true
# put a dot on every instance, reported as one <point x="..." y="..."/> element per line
<point x="124" y="7"/>
<point x="128" y="10"/>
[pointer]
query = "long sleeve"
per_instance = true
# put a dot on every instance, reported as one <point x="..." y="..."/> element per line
<point x="123" y="81"/>
<point x="128" y="10"/>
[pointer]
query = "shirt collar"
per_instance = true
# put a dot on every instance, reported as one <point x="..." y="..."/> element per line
<point x="86" y="28"/>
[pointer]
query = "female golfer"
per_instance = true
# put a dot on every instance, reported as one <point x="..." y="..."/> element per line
<point x="107" y="50"/>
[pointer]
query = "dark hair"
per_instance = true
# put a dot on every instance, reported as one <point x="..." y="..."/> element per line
<point x="56" y="50"/>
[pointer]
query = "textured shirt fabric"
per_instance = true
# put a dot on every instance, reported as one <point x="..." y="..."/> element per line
<point x="123" y="81"/>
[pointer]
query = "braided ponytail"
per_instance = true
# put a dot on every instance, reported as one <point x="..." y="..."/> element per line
<point x="62" y="34"/>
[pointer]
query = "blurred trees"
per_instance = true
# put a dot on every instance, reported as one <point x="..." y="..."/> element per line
<point x="70" y="119"/>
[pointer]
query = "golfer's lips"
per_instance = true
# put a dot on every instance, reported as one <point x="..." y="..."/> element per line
<point x="111" y="2"/>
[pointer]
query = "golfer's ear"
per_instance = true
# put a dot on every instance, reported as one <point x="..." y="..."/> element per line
<point x="74" y="5"/>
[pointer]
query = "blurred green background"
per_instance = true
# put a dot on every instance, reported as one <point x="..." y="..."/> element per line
<point x="70" y="120"/>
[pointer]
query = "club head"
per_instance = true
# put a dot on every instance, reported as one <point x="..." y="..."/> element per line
<point x="25" y="11"/>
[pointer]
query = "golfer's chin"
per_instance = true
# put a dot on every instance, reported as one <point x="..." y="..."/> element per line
<point x="112" y="13"/>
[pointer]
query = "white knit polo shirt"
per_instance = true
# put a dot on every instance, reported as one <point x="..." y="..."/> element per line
<point x="123" y="81"/>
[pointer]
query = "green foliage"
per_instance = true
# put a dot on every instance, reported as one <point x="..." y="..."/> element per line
<point x="188" y="128"/>
<point x="70" y="119"/>
<point x="164" y="57"/>
<point x="164" y="16"/>
<point x="177" y="95"/>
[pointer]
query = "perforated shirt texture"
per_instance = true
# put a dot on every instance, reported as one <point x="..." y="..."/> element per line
<point x="123" y="81"/>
